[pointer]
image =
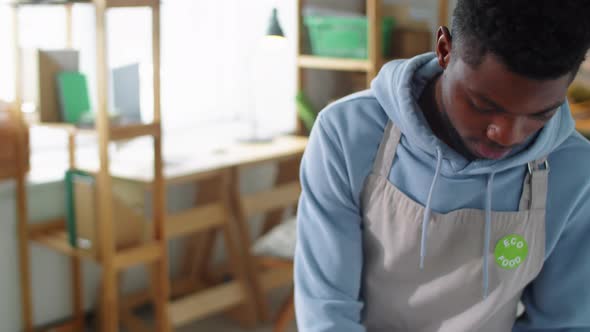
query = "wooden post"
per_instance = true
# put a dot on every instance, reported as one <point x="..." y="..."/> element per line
<point x="75" y="262"/>
<point x="300" y="74"/>
<point x="240" y="221"/>
<point x="374" y="39"/>
<point x="109" y="296"/>
<point x="18" y="83"/>
<point x="237" y="244"/>
<point x="22" y="219"/>
<point x="199" y="247"/>
<point x="288" y="172"/>
<point x="69" y="27"/>
<point x="22" y="222"/>
<point x="159" y="273"/>
<point x="21" y="190"/>
<point x="286" y="313"/>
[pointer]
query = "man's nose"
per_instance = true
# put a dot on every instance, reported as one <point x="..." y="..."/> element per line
<point x="506" y="132"/>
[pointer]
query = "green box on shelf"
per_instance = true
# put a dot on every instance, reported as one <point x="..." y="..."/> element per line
<point x="344" y="37"/>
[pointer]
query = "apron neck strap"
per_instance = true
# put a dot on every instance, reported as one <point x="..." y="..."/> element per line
<point x="387" y="148"/>
<point x="534" y="189"/>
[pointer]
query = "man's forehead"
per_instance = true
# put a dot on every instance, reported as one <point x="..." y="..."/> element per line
<point x="515" y="93"/>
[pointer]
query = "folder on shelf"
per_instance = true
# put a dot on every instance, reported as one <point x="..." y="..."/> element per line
<point x="49" y="64"/>
<point x="73" y="96"/>
<point x="79" y="203"/>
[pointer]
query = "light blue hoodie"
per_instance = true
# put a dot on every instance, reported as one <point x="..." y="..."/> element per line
<point x="340" y="155"/>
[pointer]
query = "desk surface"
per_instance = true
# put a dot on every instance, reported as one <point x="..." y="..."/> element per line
<point x="202" y="163"/>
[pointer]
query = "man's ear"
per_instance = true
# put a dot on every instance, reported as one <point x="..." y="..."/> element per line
<point x="444" y="45"/>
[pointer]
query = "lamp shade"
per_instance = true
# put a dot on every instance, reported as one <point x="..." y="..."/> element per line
<point x="274" y="27"/>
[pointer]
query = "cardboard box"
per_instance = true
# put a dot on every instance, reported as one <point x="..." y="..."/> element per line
<point x="130" y="225"/>
<point x="40" y="69"/>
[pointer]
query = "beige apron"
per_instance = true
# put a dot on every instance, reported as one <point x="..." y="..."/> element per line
<point x="446" y="295"/>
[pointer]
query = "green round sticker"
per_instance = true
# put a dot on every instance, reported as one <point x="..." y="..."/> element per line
<point x="511" y="251"/>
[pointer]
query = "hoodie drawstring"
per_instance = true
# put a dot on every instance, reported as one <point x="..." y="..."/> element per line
<point x="426" y="218"/>
<point x="488" y="222"/>
<point x="488" y="227"/>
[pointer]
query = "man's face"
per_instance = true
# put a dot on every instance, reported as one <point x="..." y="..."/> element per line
<point x="490" y="110"/>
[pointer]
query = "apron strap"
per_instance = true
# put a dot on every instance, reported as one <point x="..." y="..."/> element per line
<point x="387" y="148"/>
<point x="534" y="190"/>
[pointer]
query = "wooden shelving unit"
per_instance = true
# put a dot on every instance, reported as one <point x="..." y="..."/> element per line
<point x="317" y="62"/>
<point x="371" y="65"/>
<point x="53" y="234"/>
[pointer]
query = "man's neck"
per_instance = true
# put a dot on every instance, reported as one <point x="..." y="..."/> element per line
<point x="431" y="104"/>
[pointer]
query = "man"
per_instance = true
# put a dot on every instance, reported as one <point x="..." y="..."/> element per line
<point x="456" y="187"/>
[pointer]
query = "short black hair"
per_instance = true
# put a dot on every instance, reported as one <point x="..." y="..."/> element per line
<point x="540" y="39"/>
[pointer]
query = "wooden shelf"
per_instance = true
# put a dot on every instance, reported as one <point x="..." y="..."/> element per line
<point x="317" y="62"/>
<point x="130" y="3"/>
<point x="583" y="126"/>
<point x="56" y="125"/>
<point x="18" y="3"/>
<point x="47" y="226"/>
<point x="57" y="240"/>
<point x="133" y="131"/>
<point x="117" y="132"/>
<point x="8" y="175"/>
<point x="109" y="3"/>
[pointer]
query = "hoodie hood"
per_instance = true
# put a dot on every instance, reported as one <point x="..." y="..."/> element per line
<point x="397" y="88"/>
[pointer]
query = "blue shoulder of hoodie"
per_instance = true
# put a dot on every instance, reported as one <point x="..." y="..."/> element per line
<point x="558" y="300"/>
<point x="329" y="257"/>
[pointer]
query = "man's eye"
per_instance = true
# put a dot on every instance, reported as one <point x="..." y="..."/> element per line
<point x="544" y="116"/>
<point x="483" y="110"/>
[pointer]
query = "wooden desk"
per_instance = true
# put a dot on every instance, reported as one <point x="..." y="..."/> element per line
<point x="201" y="164"/>
<point x="193" y="297"/>
<point x="218" y="170"/>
